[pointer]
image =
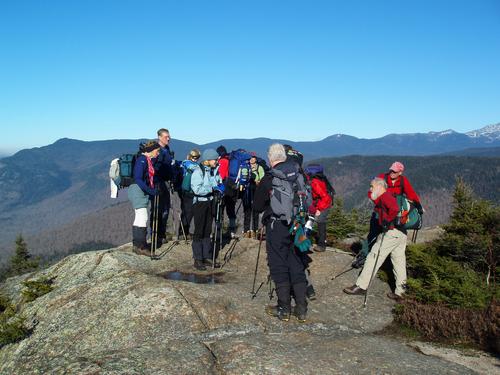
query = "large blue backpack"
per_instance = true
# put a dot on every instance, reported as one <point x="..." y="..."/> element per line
<point x="240" y="170"/>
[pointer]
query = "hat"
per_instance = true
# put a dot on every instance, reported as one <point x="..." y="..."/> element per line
<point x="209" y="154"/>
<point x="397" y="167"/>
<point x="221" y="150"/>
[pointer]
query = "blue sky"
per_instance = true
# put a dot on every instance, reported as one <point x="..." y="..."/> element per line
<point x="209" y="70"/>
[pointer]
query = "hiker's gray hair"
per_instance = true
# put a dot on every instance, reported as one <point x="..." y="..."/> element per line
<point x="276" y="153"/>
<point x="161" y="131"/>
<point x="379" y="181"/>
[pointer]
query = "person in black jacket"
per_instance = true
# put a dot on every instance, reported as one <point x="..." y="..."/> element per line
<point x="285" y="263"/>
<point x="163" y="177"/>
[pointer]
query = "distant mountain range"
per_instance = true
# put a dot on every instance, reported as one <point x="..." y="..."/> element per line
<point x="46" y="188"/>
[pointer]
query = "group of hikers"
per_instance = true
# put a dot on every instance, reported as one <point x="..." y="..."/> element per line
<point x="288" y="197"/>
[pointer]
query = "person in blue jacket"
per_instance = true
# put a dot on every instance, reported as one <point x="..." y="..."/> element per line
<point x="205" y="183"/>
<point x="141" y="192"/>
<point x="188" y="166"/>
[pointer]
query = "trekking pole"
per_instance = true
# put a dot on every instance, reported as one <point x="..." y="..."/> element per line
<point x="154" y="227"/>
<point x="374" y="268"/>
<point x="217" y="227"/>
<point x="257" y="262"/>
<point x="346" y="269"/>
<point x="414" y="236"/>
<point x="182" y="227"/>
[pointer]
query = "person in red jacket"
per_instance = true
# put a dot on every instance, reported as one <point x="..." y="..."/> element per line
<point x="229" y="197"/>
<point x="398" y="184"/>
<point x="391" y="241"/>
<point x="322" y="202"/>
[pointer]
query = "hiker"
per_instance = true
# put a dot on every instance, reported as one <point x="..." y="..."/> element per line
<point x="206" y="185"/>
<point x="249" y="213"/>
<point x="391" y="241"/>
<point x="164" y="174"/>
<point x="140" y="192"/>
<point x="188" y="167"/>
<point x="285" y="264"/>
<point x="322" y="195"/>
<point x="231" y="195"/>
<point x="397" y="184"/>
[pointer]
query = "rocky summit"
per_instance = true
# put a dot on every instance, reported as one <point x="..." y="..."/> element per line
<point x="115" y="312"/>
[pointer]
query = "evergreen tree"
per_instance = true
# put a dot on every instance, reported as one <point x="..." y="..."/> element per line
<point x="340" y="224"/>
<point x="22" y="262"/>
<point x="472" y="235"/>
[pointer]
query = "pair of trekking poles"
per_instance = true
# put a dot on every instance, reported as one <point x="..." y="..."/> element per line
<point x="271" y="289"/>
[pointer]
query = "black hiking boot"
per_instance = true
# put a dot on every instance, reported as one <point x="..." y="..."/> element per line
<point x="278" y="312"/>
<point x="198" y="264"/>
<point x="208" y="262"/>
<point x="300" y="312"/>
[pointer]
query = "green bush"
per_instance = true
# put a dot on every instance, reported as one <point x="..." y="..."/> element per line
<point x="12" y="328"/>
<point x="439" y="279"/>
<point x="36" y="288"/>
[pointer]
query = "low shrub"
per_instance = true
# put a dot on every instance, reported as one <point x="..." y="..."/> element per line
<point x="36" y="288"/>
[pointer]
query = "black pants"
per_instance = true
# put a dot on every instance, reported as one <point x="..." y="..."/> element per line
<point x="230" y="204"/>
<point x="285" y="264"/>
<point x="201" y="246"/>
<point x="187" y="212"/>
<point x="250" y="214"/>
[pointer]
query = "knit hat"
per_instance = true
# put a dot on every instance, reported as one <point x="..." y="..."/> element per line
<point x="209" y="154"/>
<point x="397" y="167"/>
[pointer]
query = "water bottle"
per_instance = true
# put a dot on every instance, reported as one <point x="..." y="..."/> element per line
<point x="309" y="225"/>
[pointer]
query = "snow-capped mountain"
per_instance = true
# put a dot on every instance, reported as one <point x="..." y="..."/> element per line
<point x="491" y="132"/>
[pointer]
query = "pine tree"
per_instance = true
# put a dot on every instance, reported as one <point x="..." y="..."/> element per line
<point x="340" y="224"/>
<point x="472" y="235"/>
<point x="22" y="262"/>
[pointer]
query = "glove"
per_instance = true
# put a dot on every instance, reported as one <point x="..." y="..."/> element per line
<point x="153" y="192"/>
<point x="220" y="188"/>
<point x="419" y="208"/>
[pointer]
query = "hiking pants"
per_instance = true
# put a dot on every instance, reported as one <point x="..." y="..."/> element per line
<point x="284" y="264"/>
<point x="250" y="214"/>
<point x="187" y="212"/>
<point x="202" y="213"/>
<point x="230" y="204"/>
<point x="392" y="243"/>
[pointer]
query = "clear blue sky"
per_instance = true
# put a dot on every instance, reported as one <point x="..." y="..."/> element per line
<point x="207" y="70"/>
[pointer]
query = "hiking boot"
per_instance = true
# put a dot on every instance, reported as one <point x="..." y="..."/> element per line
<point x="300" y="312"/>
<point x="208" y="263"/>
<point x="278" y="312"/>
<point x="355" y="291"/>
<point x="198" y="264"/>
<point x="319" y="249"/>
<point x="395" y="297"/>
<point x="310" y="293"/>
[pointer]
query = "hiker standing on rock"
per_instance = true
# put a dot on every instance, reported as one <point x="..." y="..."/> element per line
<point x="391" y="241"/>
<point x="322" y="202"/>
<point x="205" y="184"/>
<point x="164" y="173"/>
<point x="285" y="264"/>
<point x="231" y="195"/>
<point x="397" y="184"/>
<point x="140" y="192"/>
<point x="188" y="167"/>
<point x="251" y="216"/>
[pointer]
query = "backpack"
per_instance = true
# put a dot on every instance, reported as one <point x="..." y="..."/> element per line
<point x="290" y="196"/>
<point x="408" y="215"/>
<point x="240" y="171"/>
<point x="121" y="170"/>
<point x="316" y="171"/>
<point x="186" y="181"/>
